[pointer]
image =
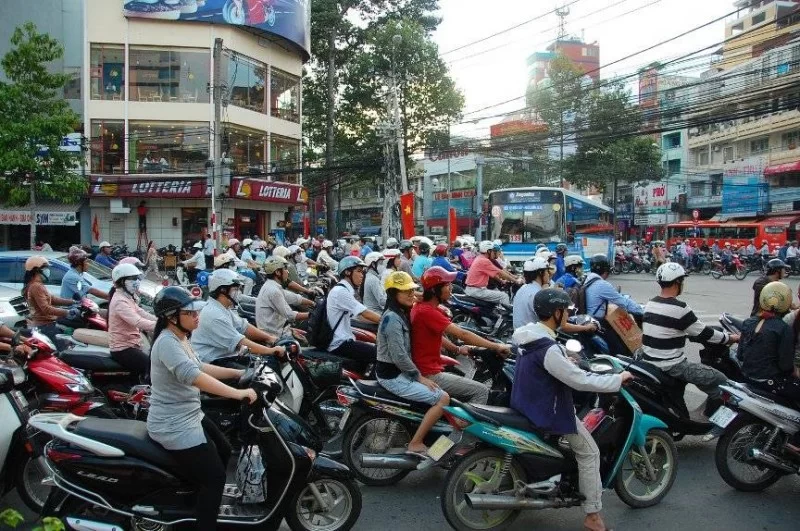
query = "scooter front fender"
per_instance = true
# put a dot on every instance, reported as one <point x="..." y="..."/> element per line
<point x="325" y="467"/>
<point x="645" y="424"/>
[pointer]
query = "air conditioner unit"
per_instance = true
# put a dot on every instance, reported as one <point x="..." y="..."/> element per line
<point x="717" y="149"/>
<point x="117" y="206"/>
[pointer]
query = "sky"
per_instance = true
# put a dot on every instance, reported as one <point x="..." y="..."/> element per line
<point x="495" y="70"/>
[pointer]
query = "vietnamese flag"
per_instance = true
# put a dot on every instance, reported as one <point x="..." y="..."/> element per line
<point x="407" y="214"/>
<point x="453" y="225"/>
<point x="96" y="228"/>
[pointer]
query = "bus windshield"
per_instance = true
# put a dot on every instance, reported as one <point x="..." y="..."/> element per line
<point x="527" y="216"/>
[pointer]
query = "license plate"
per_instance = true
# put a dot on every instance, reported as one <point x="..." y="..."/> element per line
<point x="723" y="417"/>
<point x="343" y="421"/>
<point x="440" y="447"/>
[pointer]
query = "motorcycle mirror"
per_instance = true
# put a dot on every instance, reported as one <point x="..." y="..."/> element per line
<point x="574" y="346"/>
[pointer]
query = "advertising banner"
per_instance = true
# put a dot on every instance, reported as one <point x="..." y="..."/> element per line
<point x="16" y="217"/>
<point x="290" y="19"/>
<point x="194" y="188"/>
<point x="744" y="189"/>
<point x="654" y="198"/>
<point x="268" y="191"/>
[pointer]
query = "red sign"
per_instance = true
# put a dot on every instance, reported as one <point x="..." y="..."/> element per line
<point x="259" y="190"/>
<point x="517" y="127"/>
<point x="455" y="194"/>
<point x="696" y="214"/>
<point x="453" y="225"/>
<point x="407" y="214"/>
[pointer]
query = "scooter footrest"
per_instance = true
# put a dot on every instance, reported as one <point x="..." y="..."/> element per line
<point x="241" y="511"/>
<point x="232" y="490"/>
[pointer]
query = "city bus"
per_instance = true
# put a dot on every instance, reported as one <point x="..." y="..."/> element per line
<point x="524" y="217"/>
<point x="776" y="230"/>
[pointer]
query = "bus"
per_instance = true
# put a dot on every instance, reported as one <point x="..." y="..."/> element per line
<point x="524" y="217"/>
<point x="776" y="230"/>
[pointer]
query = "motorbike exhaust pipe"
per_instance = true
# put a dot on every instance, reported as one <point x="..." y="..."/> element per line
<point x="772" y="462"/>
<point x="492" y="502"/>
<point x="79" y="524"/>
<point x="396" y="461"/>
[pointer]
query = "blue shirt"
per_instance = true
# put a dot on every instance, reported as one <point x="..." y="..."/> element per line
<point x="568" y="280"/>
<point x="69" y="285"/>
<point x="105" y="260"/>
<point x="443" y="262"/>
<point x="365" y="250"/>
<point x="421" y="264"/>
<point x="559" y="268"/>
<point x="523" y="305"/>
<point x="601" y="293"/>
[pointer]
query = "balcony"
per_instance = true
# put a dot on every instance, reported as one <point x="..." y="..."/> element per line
<point x="704" y="201"/>
<point x="743" y="129"/>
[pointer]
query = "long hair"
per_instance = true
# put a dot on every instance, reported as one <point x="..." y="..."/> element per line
<point x="27" y="279"/>
<point x="161" y="324"/>
<point x="396" y="307"/>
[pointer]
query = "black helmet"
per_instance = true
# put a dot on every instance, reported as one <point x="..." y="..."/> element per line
<point x="405" y="245"/>
<point x="775" y="265"/>
<point x="547" y="301"/>
<point x="561" y="248"/>
<point x="424" y="248"/>
<point x="173" y="298"/>
<point x="599" y="264"/>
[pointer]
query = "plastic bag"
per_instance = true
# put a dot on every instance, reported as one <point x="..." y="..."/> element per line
<point x="251" y="475"/>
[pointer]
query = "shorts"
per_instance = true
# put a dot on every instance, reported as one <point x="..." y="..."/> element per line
<point x="405" y="387"/>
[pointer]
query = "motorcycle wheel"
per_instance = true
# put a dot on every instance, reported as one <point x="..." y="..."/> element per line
<point x="626" y="267"/>
<point x="616" y="269"/>
<point x="374" y="434"/>
<point x="463" y="319"/>
<point x="716" y="273"/>
<point x="663" y="456"/>
<point x="28" y="481"/>
<point x="740" y="273"/>
<point x="471" y="473"/>
<point x="706" y="268"/>
<point x="304" y="513"/>
<point x="638" y="268"/>
<point x="732" y="455"/>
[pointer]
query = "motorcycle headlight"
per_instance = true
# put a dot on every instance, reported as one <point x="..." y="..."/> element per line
<point x="81" y="388"/>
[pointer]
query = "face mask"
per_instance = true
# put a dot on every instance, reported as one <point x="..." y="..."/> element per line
<point x="132" y="286"/>
<point x="381" y="268"/>
<point x="46" y="273"/>
<point x="234" y="294"/>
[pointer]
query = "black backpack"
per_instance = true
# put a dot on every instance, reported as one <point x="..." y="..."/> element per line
<point x="577" y="294"/>
<point x="320" y="333"/>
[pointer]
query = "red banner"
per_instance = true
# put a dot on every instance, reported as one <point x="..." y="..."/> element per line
<point x="407" y="214"/>
<point x="259" y="190"/>
<point x="453" y="226"/>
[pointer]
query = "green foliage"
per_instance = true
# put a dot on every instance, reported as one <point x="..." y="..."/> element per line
<point x="11" y="518"/>
<point x="50" y="523"/>
<point x="34" y="118"/>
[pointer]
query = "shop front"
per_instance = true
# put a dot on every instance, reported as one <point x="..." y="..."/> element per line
<point x="56" y="223"/>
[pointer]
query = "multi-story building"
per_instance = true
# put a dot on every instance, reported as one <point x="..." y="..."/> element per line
<point x="145" y="91"/>
<point x="583" y="55"/>
<point x="758" y="26"/>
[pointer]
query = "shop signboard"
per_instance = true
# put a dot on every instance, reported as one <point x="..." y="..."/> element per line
<point x="273" y="192"/>
<point x="19" y="217"/>
<point x="463" y="207"/>
<point x="290" y="19"/>
<point x="744" y="189"/>
<point x="654" y="198"/>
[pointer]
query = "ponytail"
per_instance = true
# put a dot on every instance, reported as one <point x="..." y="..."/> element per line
<point x="161" y="324"/>
<point x="27" y="279"/>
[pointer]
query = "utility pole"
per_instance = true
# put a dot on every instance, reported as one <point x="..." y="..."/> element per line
<point x="33" y="210"/>
<point x="396" y="40"/>
<point x="216" y="170"/>
<point x="331" y="230"/>
<point x="390" y="223"/>
<point x="480" y="162"/>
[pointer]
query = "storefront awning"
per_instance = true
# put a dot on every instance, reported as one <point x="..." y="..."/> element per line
<point x="777" y="169"/>
<point x="47" y="213"/>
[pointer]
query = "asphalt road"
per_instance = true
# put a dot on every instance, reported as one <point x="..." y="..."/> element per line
<point x="699" y="499"/>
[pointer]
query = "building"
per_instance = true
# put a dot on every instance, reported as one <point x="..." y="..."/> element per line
<point x="583" y="55"/>
<point x="759" y="26"/>
<point x="450" y="181"/>
<point x="145" y="91"/>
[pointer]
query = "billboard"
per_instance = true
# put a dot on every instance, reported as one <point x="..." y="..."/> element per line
<point x="290" y="19"/>
<point x="744" y="189"/>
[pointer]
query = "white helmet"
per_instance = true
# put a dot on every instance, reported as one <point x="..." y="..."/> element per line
<point x="103" y="244"/>
<point x="222" y="278"/>
<point x="293" y="249"/>
<point x="498" y="242"/>
<point x="247" y="242"/>
<point x="670" y="272"/>
<point x="572" y="260"/>
<point x="425" y="239"/>
<point x="391" y="253"/>
<point x="281" y="251"/>
<point x="125" y="271"/>
<point x="485" y="246"/>
<point x="327" y="244"/>
<point x="372" y="257"/>
<point x="232" y="242"/>
<point x="392" y="242"/>
<point x="222" y="260"/>
<point x="300" y="241"/>
<point x="537" y="264"/>
<point x="197" y="245"/>
<point x="544" y="253"/>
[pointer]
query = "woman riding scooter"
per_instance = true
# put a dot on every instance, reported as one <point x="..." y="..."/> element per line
<point x="43" y="306"/>
<point x="126" y="320"/>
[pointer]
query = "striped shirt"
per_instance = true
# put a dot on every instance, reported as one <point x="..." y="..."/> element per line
<point x="667" y="324"/>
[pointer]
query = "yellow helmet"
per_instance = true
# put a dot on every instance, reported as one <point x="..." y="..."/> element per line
<point x="776" y="297"/>
<point x="399" y="280"/>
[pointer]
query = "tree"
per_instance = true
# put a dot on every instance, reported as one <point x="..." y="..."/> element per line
<point x="34" y="119"/>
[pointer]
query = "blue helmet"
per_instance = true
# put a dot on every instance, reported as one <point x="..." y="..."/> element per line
<point x="349" y="262"/>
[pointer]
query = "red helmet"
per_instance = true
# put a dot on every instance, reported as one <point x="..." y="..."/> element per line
<point x="436" y="276"/>
<point x="440" y="250"/>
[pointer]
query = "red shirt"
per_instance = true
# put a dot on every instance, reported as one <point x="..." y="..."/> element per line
<point x="481" y="270"/>
<point x="427" y="326"/>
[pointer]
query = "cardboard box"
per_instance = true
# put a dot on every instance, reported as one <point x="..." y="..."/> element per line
<point x="625" y="327"/>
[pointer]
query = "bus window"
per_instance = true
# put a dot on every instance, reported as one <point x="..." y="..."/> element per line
<point x="676" y="232"/>
<point x="729" y="233"/>
<point x="747" y="233"/>
<point x="714" y="232"/>
<point x="774" y="230"/>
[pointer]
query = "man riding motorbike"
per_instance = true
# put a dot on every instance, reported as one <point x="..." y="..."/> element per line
<point x="406" y="255"/>
<point x="273" y="313"/>
<point x="481" y="271"/>
<point x="561" y="253"/>
<point x="573" y="272"/>
<point x="423" y="260"/>
<point x="222" y="332"/>
<point x="103" y="256"/>
<point x="196" y="263"/>
<point x="324" y="257"/>
<point x="440" y="259"/>
<point x="127" y="320"/>
<point x="542" y="392"/>
<point x="373" y="294"/>
<point x="776" y="271"/>
<point x="74" y="283"/>
<point x="295" y="283"/>
<point x="246" y="269"/>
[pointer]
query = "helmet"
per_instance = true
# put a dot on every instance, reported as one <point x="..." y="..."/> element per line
<point x="348" y="262"/>
<point x="775" y="297"/>
<point x="485" y="246"/>
<point x="540" y="246"/>
<point x="197" y="245"/>
<point x="545" y="253"/>
<point x="247" y="242"/>
<point x="573" y="260"/>
<point x="132" y="260"/>
<point x="106" y="244"/>
<point x="399" y="280"/>
<point x="561" y="248"/>
<point x="327" y="244"/>
<point x="536" y="264"/>
<point x="173" y="298"/>
<point x="372" y="257"/>
<point x="774" y="265"/>
<point x="76" y="256"/>
<point x="498" y="243"/>
<point x="273" y="263"/>
<point x="281" y="251"/>
<point x="391" y="253"/>
<point x="125" y="271"/>
<point x="434" y="276"/>
<point x="440" y="250"/>
<point x="670" y="272"/>
<point x="547" y="301"/>
<point x="405" y="245"/>
<point x="293" y="249"/>
<point x="36" y="262"/>
<point x="223" y="278"/>
<point x="232" y="242"/>
<point x="222" y="260"/>
<point x="425" y="239"/>
<point x="391" y="243"/>
<point x="599" y="264"/>
<point x="300" y="241"/>
<point x="628" y="242"/>
<point x="424" y="248"/>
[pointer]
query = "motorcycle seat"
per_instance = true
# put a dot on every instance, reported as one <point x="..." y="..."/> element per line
<point x="131" y="437"/>
<point x="91" y="362"/>
<point x="373" y="389"/>
<point x="505" y="416"/>
<point x="477" y="302"/>
<point x="738" y="323"/>
<point x="98" y="338"/>
<point x="658" y="374"/>
<point x="786" y="402"/>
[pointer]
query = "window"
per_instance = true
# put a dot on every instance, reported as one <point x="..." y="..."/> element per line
<point x="169" y="74"/>
<point x="674" y="167"/>
<point x="107" y="146"/>
<point x="247" y="148"/>
<point x="747" y="233"/>
<point x="789" y="140"/>
<point x="702" y="158"/>
<point x="716" y="184"/>
<point x="727" y="153"/>
<point x="758" y="19"/>
<point x="107" y="71"/>
<point x="168" y="147"/>
<point x="672" y="141"/>
<point x="737" y="28"/>
<point x="11" y="271"/>
<point x="72" y="88"/>
<point x="697" y="189"/>
<point x="193" y="224"/>
<point x="760" y="145"/>
<point x="56" y="276"/>
<point x="285" y="94"/>
<point x="246" y="81"/>
<point x="284" y="156"/>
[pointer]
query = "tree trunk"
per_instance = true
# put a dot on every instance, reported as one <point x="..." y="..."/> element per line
<point x="331" y="229"/>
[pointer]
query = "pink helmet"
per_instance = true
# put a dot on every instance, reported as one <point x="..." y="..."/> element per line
<point x="132" y="260"/>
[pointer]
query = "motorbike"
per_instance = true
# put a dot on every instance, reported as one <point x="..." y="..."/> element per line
<point x="88" y="317"/>
<point x="504" y="465"/>
<point x="759" y="443"/>
<point x="735" y="268"/>
<point x="486" y="317"/>
<point x="284" y="474"/>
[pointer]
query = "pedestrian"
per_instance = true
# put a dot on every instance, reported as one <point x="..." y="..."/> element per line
<point x="151" y="259"/>
<point x="209" y="250"/>
<point x="791" y="256"/>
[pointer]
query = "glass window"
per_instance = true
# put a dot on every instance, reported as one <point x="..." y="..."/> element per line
<point x="107" y="71"/>
<point x="168" y="147"/>
<point x="247" y="148"/>
<point x="285" y="93"/>
<point x="193" y="223"/>
<point x="747" y="233"/>
<point x="284" y="156"/>
<point x="72" y="88"/>
<point x="246" y="81"/>
<point x="169" y="74"/>
<point x="774" y="230"/>
<point x="107" y="146"/>
<point x="11" y="271"/>
<point x="759" y="146"/>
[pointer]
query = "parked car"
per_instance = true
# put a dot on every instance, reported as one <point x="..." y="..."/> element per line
<point x="13" y="308"/>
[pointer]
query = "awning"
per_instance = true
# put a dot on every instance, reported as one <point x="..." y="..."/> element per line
<point x="47" y="213"/>
<point x="373" y="230"/>
<point x="782" y="168"/>
<point x="781" y="221"/>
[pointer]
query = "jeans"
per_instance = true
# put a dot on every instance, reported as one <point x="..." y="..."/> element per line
<point x="461" y="388"/>
<point x="133" y="359"/>
<point x="361" y="354"/>
<point x="489" y="295"/>
<point x="706" y="378"/>
<point x="588" y="457"/>
<point x="209" y="479"/>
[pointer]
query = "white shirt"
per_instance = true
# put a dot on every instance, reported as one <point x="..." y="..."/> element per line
<point x="198" y="260"/>
<point x="236" y="260"/>
<point x="209" y="247"/>
<point x="326" y="259"/>
<point x="791" y="252"/>
<point x="342" y="301"/>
